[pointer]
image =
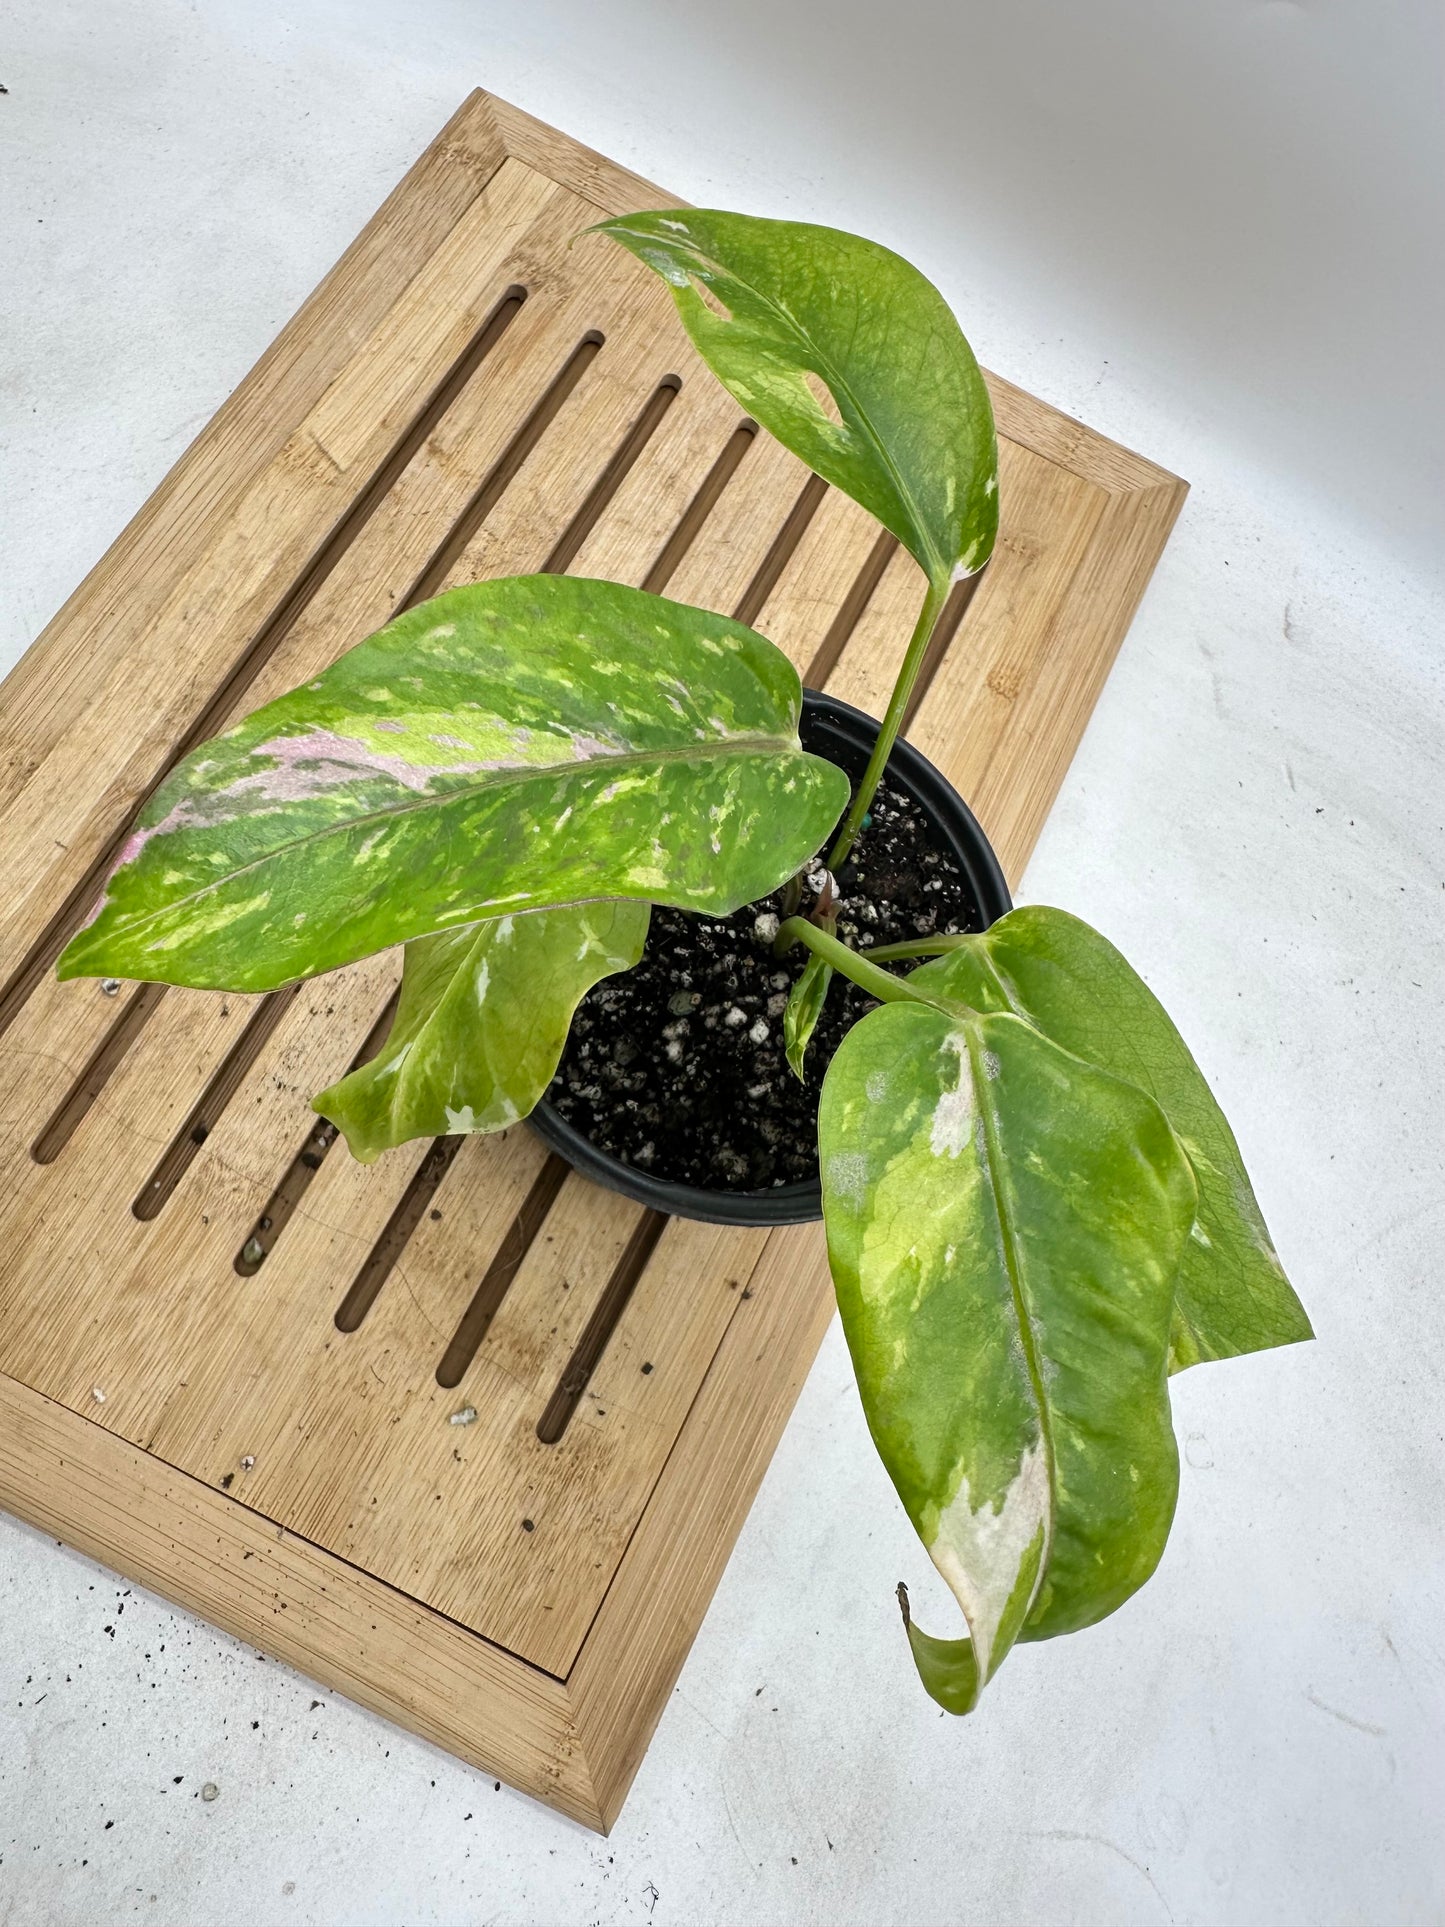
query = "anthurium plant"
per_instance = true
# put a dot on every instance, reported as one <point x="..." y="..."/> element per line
<point x="1035" y="1210"/>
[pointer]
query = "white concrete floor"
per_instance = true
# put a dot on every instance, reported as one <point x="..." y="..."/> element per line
<point x="1255" y="816"/>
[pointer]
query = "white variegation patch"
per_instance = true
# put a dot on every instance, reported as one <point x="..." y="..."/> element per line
<point x="981" y="1552"/>
<point x="952" y="1128"/>
<point x="847" y="1176"/>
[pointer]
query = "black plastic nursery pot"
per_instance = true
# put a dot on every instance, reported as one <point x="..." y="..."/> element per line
<point x="845" y="736"/>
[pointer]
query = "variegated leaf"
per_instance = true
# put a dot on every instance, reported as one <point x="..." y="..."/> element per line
<point x="483" y="1017"/>
<point x="1004" y="1225"/>
<point x="509" y="746"/>
<point x="1231" y="1295"/>
<point x="770" y="303"/>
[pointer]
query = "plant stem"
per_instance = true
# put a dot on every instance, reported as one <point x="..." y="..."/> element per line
<point x="922" y="947"/>
<point x="881" y="984"/>
<point x="892" y="722"/>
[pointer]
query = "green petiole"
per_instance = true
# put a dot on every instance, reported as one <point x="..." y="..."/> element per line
<point x="881" y="984"/>
<point x="892" y="722"/>
<point x="922" y="947"/>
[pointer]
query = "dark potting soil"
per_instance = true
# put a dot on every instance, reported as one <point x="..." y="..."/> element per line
<point x="677" y="1067"/>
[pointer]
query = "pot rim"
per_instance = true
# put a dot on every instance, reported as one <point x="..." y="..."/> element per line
<point x="799" y="1203"/>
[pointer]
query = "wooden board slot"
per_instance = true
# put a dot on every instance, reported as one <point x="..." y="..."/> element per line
<point x="700" y="508"/>
<point x="612" y="477"/>
<point x="587" y="1353"/>
<point x="75" y="1106"/>
<point x="393" y="1240"/>
<point x="287" y="1196"/>
<point x="781" y="550"/>
<point x="507" y="1260"/>
<point x="211" y="1106"/>
<point x="860" y="592"/>
<point x="441" y="565"/>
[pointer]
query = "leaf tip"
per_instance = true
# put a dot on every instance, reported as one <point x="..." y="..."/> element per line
<point x="325" y="1105"/>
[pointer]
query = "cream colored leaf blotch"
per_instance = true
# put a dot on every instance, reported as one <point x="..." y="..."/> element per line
<point x="980" y="1553"/>
<point x="953" y="1116"/>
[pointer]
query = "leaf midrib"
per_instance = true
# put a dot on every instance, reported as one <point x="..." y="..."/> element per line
<point x="495" y="779"/>
<point x="1014" y="1268"/>
<point x="836" y="381"/>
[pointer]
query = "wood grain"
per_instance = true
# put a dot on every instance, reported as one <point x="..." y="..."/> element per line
<point x="468" y="394"/>
<point x="226" y="1562"/>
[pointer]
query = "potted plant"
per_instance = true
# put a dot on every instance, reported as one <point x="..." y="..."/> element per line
<point x="1035" y="1210"/>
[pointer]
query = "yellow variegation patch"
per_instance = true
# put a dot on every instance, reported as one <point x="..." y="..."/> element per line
<point x="512" y="745"/>
<point x="1004" y="1225"/>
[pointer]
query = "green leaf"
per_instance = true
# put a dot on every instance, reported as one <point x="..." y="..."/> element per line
<point x="947" y="1667"/>
<point x="481" y="1024"/>
<point x="804" y="1008"/>
<point x="1004" y="1225"/>
<point x="509" y="746"/>
<point x="768" y="303"/>
<point x="1231" y="1295"/>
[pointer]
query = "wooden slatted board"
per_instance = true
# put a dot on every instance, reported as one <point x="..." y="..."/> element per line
<point x="465" y="395"/>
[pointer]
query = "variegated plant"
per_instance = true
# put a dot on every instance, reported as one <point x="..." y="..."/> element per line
<point x="1035" y="1209"/>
